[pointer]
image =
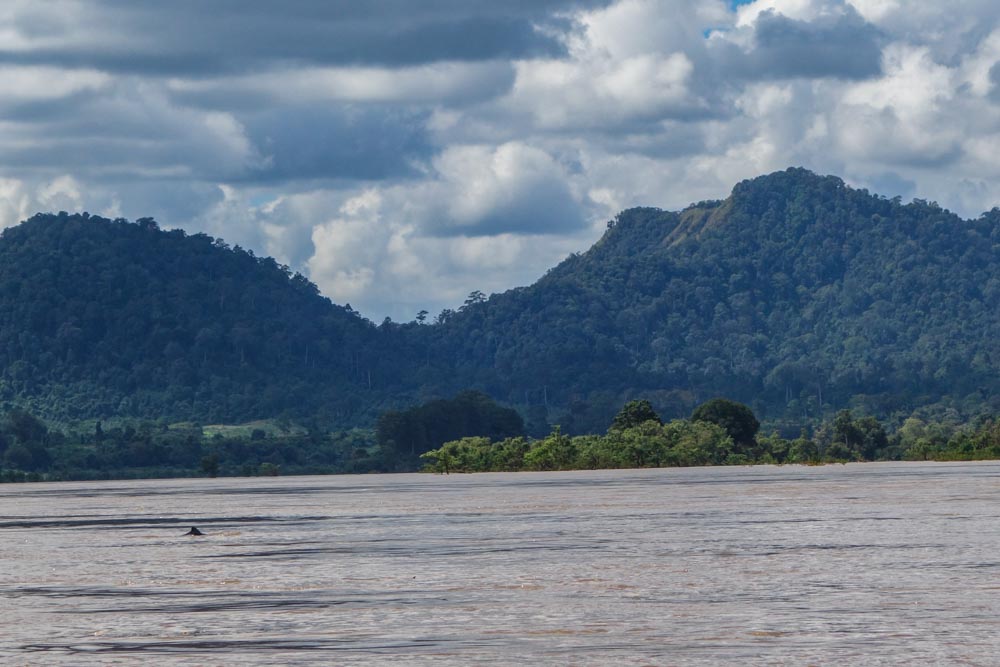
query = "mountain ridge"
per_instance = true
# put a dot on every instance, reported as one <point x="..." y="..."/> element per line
<point x="797" y="294"/>
<point x="782" y="252"/>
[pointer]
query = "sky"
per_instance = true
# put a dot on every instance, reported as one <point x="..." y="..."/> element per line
<point x="404" y="154"/>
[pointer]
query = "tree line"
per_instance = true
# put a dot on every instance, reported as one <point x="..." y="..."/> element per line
<point x="467" y="433"/>
<point x="719" y="432"/>
<point x="31" y="450"/>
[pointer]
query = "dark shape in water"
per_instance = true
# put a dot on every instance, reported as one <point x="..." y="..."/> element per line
<point x="194" y="531"/>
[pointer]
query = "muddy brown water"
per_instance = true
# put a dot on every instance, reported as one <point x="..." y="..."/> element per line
<point x="873" y="564"/>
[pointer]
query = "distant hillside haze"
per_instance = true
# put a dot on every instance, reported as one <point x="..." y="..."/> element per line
<point x="797" y="295"/>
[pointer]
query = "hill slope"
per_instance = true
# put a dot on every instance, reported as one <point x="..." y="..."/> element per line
<point x="101" y="318"/>
<point x="797" y="294"/>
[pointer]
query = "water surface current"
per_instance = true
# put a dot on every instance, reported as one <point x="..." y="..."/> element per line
<point x="858" y="564"/>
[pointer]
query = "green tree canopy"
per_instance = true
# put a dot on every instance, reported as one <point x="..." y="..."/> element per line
<point x="633" y="414"/>
<point x="737" y="419"/>
<point x="412" y="432"/>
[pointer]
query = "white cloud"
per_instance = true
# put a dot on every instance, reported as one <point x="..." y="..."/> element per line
<point x="639" y="27"/>
<point x="346" y="253"/>
<point x="485" y="216"/>
<point x="913" y="83"/>
<point x="978" y="67"/>
<point x="800" y="10"/>
<point x="598" y="93"/>
<point x="62" y="193"/>
<point x="901" y="117"/>
<point x="476" y="222"/>
<point x="15" y="203"/>
<point x="875" y="10"/>
<point x="369" y="255"/>
<point x="21" y="83"/>
<point x="20" y="200"/>
<point x="632" y="61"/>
<point x="513" y="187"/>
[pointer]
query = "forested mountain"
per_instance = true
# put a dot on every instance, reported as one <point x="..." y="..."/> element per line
<point x="796" y="295"/>
<point x="102" y="318"/>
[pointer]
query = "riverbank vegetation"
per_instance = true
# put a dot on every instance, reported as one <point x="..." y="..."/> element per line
<point x="719" y="432"/>
<point x="468" y="433"/>
<point x="30" y="450"/>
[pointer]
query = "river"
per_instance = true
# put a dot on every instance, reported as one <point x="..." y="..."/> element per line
<point x="879" y="563"/>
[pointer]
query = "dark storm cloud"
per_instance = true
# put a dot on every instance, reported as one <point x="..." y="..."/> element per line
<point x="547" y="208"/>
<point x="451" y="84"/>
<point x="844" y="46"/>
<point x="191" y="38"/>
<point x="369" y="143"/>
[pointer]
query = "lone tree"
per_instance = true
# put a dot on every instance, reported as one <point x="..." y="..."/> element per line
<point x="634" y="413"/>
<point x="738" y="420"/>
<point x="409" y="433"/>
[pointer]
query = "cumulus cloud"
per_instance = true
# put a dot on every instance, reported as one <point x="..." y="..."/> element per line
<point x="15" y="203"/>
<point x="20" y="200"/>
<point x="364" y="256"/>
<point x="898" y="119"/>
<point x="951" y="30"/>
<point x="605" y="94"/>
<point x="29" y="83"/>
<point x="346" y="257"/>
<point x="485" y="191"/>
<point x="404" y="154"/>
